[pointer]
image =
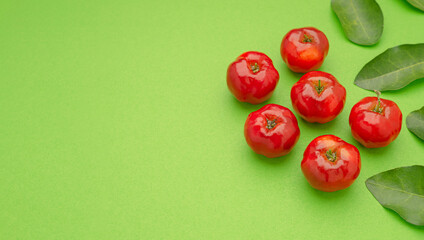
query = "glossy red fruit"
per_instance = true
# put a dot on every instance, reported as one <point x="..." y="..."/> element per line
<point x="271" y="131"/>
<point x="318" y="97"/>
<point x="375" y="122"/>
<point x="252" y="77"/>
<point x="330" y="164"/>
<point x="304" y="49"/>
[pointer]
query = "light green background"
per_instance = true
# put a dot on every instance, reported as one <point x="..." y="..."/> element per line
<point x="116" y="123"/>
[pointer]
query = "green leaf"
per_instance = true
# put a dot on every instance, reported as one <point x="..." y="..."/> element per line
<point x="362" y="20"/>
<point x="393" y="69"/>
<point x="415" y="122"/>
<point x="417" y="3"/>
<point x="402" y="190"/>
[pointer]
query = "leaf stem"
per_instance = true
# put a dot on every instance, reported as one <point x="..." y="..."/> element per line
<point x="270" y="124"/>
<point x="331" y="156"/>
<point x="378" y="108"/>
<point x="307" y="38"/>
<point x="254" y="67"/>
<point x="319" y="88"/>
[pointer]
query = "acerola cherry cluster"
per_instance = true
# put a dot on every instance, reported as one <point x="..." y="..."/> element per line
<point x="329" y="163"/>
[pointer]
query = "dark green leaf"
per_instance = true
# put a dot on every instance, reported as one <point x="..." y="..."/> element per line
<point x="393" y="69"/>
<point x="415" y="122"/>
<point x="362" y="20"/>
<point x="402" y="190"/>
<point x="417" y="3"/>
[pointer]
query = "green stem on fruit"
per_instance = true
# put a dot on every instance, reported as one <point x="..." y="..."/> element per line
<point x="331" y="156"/>
<point x="270" y="124"/>
<point x="378" y="108"/>
<point x="307" y="38"/>
<point x="319" y="88"/>
<point x="254" y="67"/>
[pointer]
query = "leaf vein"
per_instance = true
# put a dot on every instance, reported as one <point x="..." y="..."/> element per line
<point x="418" y="3"/>
<point x="359" y="20"/>
<point x="399" y="190"/>
<point x="393" y="72"/>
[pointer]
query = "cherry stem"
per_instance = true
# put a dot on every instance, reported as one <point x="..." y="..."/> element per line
<point x="319" y="88"/>
<point x="331" y="156"/>
<point x="254" y="67"/>
<point x="270" y="124"/>
<point x="378" y="108"/>
<point x="306" y="38"/>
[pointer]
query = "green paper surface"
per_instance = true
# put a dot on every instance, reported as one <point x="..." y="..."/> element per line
<point x="116" y="123"/>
